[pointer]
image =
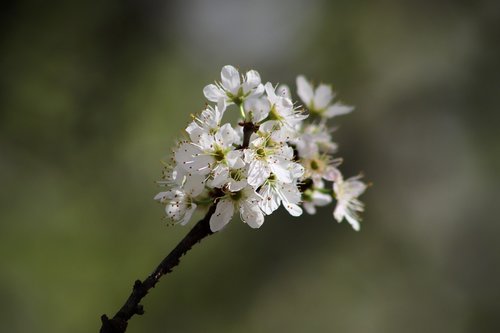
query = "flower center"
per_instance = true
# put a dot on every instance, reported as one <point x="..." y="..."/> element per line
<point x="314" y="165"/>
<point x="273" y="114"/>
<point x="236" y="196"/>
<point x="238" y="98"/>
<point x="261" y="152"/>
<point x="236" y="174"/>
<point x="219" y="155"/>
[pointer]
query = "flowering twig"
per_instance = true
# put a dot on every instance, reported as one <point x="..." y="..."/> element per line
<point x="118" y="324"/>
<point x="276" y="157"/>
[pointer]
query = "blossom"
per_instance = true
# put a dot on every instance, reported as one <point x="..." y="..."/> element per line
<point x="275" y="156"/>
<point x="314" y="197"/>
<point x="179" y="206"/>
<point x="264" y="159"/>
<point x="231" y="174"/>
<point x="318" y="100"/>
<point x="211" y="151"/>
<point x="233" y="88"/>
<point x="321" y="167"/>
<point x="245" y="201"/>
<point x="314" y="139"/>
<point x="207" y="122"/>
<point x="274" y="193"/>
<point x="348" y="205"/>
<point x="179" y="201"/>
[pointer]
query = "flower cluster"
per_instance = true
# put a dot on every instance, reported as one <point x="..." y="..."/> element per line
<point x="278" y="154"/>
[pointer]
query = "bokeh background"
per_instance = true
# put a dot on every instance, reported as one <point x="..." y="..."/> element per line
<point x="94" y="93"/>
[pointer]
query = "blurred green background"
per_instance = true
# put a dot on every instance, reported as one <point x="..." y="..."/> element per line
<point x="94" y="93"/>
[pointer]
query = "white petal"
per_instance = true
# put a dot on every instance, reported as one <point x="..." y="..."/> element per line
<point x="291" y="193"/>
<point x="271" y="94"/>
<point x="200" y="164"/>
<point x="304" y="90"/>
<point x="269" y="201"/>
<point x="350" y="188"/>
<point x="230" y="79"/>
<point x="185" y="153"/>
<point x="226" y="135"/>
<point x="280" y="170"/>
<point x="221" y="175"/>
<point x="221" y="107"/>
<point x="285" y="104"/>
<point x="252" y="79"/>
<point x="188" y="214"/>
<point x="321" y="199"/>
<point x="235" y="186"/>
<point x="331" y="173"/>
<point x="251" y="214"/>
<point x="234" y="160"/>
<point x="194" y="184"/>
<point x="248" y="154"/>
<point x="353" y="222"/>
<point x="284" y="91"/>
<point x="257" y="92"/>
<point x="322" y="96"/>
<point x="269" y="127"/>
<point x="258" y="172"/>
<point x="212" y="93"/>
<point x="356" y="187"/>
<point x="258" y="108"/>
<point x="177" y="175"/>
<point x="222" y="215"/>
<point x="195" y="131"/>
<point x="160" y="196"/>
<point x="297" y="170"/>
<point x="339" y="211"/>
<point x="309" y="207"/>
<point x="337" y="109"/>
<point x="293" y="209"/>
<point x="176" y="208"/>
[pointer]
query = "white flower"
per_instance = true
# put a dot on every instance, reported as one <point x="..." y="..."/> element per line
<point x="319" y="101"/>
<point x="320" y="167"/>
<point x="283" y="112"/>
<point x="232" y="89"/>
<point x="210" y="152"/>
<point x="274" y="193"/>
<point x="315" y="197"/>
<point x="276" y="110"/>
<point x="231" y="174"/>
<point x="245" y="201"/>
<point x="264" y="159"/>
<point x="207" y="122"/>
<point x="257" y="109"/>
<point x="348" y="205"/>
<point x="313" y="140"/>
<point x="179" y="202"/>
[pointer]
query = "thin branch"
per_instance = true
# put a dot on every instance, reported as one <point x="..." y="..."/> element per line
<point x="248" y="129"/>
<point x="118" y="324"/>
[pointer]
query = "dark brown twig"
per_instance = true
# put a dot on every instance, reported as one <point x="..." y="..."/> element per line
<point x="248" y="129"/>
<point x="118" y="324"/>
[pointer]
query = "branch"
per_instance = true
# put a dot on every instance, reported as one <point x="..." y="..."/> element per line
<point x="118" y="324"/>
<point x="248" y="129"/>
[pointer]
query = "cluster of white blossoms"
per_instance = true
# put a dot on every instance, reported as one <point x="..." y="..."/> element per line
<point x="278" y="154"/>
